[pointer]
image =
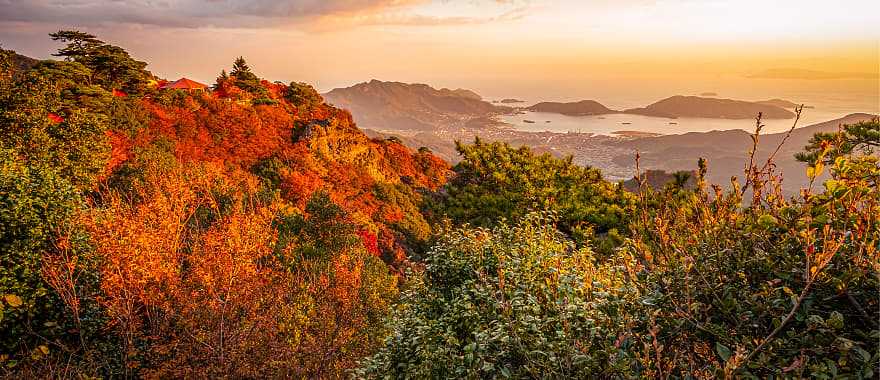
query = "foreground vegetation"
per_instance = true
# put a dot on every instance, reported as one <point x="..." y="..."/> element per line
<point x="704" y="286"/>
<point x="254" y="232"/>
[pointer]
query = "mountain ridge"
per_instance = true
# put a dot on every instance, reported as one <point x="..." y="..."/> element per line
<point x="384" y="105"/>
<point x="700" y="107"/>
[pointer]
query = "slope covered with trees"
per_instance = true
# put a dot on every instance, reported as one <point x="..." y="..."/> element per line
<point x="253" y="231"/>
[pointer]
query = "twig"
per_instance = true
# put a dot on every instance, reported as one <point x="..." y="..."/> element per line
<point x="797" y="116"/>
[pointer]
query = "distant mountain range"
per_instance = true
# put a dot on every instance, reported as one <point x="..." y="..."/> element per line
<point x="426" y="117"/>
<point x="396" y="106"/>
<point x="401" y="106"/>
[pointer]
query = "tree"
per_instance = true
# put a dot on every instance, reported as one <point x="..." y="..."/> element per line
<point x="245" y="79"/>
<point x="37" y="211"/>
<point x="6" y="66"/>
<point x="222" y="78"/>
<point x="303" y="96"/>
<point x="111" y="66"/>
<point x="494" y="181"/>
<point x="75" y="147"/>
<point x="862" y="137"/>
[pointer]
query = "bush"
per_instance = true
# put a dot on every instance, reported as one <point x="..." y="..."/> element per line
<point x="516" y="301"/>
<point x="495" y="181"/>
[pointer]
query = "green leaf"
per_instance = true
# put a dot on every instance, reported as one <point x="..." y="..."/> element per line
<point x="722" y="351"/>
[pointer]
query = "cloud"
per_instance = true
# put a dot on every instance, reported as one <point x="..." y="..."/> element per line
<point x="227" y="13"/>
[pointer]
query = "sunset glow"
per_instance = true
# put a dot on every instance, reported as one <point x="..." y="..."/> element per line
<point x="550" y="48"/>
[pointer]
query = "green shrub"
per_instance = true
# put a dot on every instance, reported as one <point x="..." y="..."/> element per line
<point x="514" y="301"/>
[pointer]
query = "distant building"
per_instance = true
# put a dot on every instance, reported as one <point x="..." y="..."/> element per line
<point x="184" y="84"/>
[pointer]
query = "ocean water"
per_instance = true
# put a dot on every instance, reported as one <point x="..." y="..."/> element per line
<point x="611" y="123"/>
<point x="828" y="100"/>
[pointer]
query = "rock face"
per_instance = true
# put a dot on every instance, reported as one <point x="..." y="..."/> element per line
<point x="581" y="108"/>
<point x="401" y="106"/>
<point x="695" y="106"/>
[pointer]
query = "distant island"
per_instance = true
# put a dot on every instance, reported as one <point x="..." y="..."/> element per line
<point x="695" y="106"/>
<point x="511" y="101"/>
<point x="680" y="106"/>
<point x="581" y="108"/>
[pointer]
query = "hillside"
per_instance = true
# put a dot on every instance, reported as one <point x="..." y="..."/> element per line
<point x="160" y="223"/>
<point x="726" y="151"/>
<point x="251" y="231"/>
<point x="581" y="108"/>
<point x="695" y="106"/>
<point x="400" y="106"/>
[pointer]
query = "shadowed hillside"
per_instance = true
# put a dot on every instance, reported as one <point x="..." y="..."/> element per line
<point x="401" y="106"/>
<point x="725" y="150"/>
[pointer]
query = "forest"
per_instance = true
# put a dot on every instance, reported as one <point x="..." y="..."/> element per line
<point x="252" y="231"/>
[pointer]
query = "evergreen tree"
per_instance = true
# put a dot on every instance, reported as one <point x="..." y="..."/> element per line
<point x="245" y="79"/>
<point x="111" y="66"/>
<point x="862" y="137"/>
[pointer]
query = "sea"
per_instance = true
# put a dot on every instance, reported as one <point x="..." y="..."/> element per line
<point x="823" y="101"/>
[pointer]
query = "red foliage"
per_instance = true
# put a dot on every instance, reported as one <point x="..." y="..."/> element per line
<point x="323" y="150"/>
<point x="54" y="118"/>
<point x="370" y="242"/>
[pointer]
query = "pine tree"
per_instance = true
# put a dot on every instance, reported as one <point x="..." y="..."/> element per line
<point x="221" y="79"/>
<point x="245" y="79"/>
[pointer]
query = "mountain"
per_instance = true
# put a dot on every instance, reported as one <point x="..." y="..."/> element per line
<point x="401" y="106"/>
<point x="581" y="108"/>
<point x="460" y="92"/>
<point x="20" y="63"/>
<point x="695" y="106"/>
<point x="726" y="151"/>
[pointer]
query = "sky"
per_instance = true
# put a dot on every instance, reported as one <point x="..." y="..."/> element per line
<point x="623" y="51"/>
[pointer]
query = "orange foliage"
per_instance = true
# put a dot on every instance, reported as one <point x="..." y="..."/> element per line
<point x="322" y="150"/>
<point x="120" y="150"/>
<point x="192" y="285"/>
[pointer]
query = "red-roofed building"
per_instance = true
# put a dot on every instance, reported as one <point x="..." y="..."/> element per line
<point x="184" y="84"/>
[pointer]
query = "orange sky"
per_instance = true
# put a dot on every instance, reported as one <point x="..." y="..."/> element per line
<point x="551" y="49"/>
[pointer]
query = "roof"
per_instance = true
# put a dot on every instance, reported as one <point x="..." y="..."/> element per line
<point x="183" y="84"/>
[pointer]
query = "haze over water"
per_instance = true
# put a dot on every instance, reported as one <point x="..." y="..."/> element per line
<point x="826" y="99"/>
